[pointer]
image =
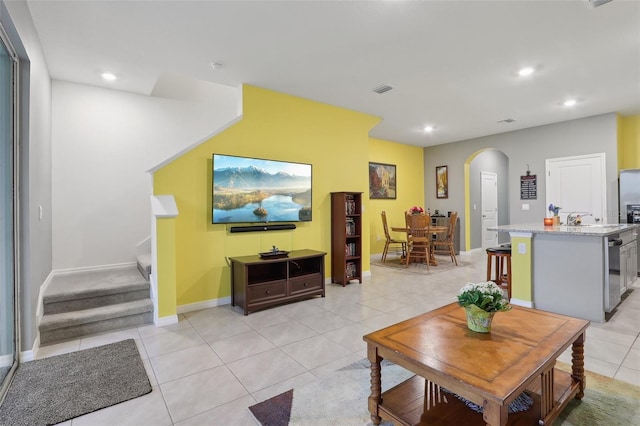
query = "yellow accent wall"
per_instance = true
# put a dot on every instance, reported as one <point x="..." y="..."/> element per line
<point x="274" y="126"/>
<point x="409" y="163"/>
<point x="628" y="142"/>
<point x="166" y="236"/>
<point x="521" y="269"/>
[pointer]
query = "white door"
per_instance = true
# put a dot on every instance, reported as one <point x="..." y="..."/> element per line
<point x="577" y="185"/>
<point x="489" y="208"/>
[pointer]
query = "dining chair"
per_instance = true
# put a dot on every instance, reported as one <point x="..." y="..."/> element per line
<point x="445" y="246"/>
<point x="391" y="241"/>
<point x="419" y="238"/>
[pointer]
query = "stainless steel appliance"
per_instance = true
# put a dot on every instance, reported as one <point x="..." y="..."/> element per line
<point x="613" y="284"/>
<point x="630" y="198"/>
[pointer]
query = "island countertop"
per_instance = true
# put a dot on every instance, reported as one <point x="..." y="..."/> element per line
<point x="592" y="230"/>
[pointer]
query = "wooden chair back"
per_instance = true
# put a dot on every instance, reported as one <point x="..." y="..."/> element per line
<point x="385" y="226"/>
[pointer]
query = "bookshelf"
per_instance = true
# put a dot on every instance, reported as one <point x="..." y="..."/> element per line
<point x="346" y="237"/>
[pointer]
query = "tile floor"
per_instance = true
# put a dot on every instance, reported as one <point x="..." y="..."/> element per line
<point x="213" y="364"/>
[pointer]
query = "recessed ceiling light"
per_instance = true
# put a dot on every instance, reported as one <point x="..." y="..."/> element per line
<point x="523" y="72"/>
<point x="428" y="129"/>
<point x="570" y="102"/>
<point x="109" y="76"/>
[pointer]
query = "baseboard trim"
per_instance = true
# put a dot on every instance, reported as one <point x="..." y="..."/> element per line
<point x="164" y="321"/>
<point x="523" y="303"/>
<point x="43" y="289"/>
<point x="26" y="356"/>
<point x="211" y="303"/>
<point x="70" y="271"/>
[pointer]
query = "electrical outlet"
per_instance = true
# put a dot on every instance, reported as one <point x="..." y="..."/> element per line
<point x="522" y="248"/>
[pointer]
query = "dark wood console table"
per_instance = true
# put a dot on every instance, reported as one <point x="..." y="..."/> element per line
<point x="258" y="283"/>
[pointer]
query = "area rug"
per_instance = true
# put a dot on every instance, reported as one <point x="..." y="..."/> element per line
<point x="444" y="264"/>
<point x="340" y="398"/>
<point x="59" y="388"/>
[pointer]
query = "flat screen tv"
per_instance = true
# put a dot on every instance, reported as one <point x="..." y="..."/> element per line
<point x="250" y="190"/>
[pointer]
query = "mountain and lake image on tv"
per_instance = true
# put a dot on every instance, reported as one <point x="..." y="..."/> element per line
<point x="250" y="190"/>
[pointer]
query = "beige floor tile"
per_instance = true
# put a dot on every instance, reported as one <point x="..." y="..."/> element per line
<point x="325" y="321"/>
<point x="611" y="336"/>
<point x="184" y="362"/>
<point x="356" y="312"/>
<point x="603" y="368"/>
<point x="605" y="351"/>
<point x="195" y="394"/>
<point x="265" y="369"/>
<point x="241" y="346"/>
<point x="632" y="360"/>
<point x="315" y="351"/>
<point x="221" y="328"/>
<point x="58" y="349"/>
<point x="283" y="386"/>
<point x="262" y="319"/>
<point x="628" y="375"/>
<point x="160" y="344"/>
<point x="149" y="369"/>
<point x="288" y="332"/>
<point x="349" y="336"/>
<point x="151" y="329"/>
<point x="111" y="337"/>
<point x="232" y="413"/>
<point x="148" y="409"/>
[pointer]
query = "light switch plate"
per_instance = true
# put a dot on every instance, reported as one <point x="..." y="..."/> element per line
<point x="525" y="207"/>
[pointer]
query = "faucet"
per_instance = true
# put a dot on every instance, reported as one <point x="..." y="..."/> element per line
<point x="574" y="219"/>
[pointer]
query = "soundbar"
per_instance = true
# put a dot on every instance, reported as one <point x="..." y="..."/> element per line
<point x="254" y="228"/>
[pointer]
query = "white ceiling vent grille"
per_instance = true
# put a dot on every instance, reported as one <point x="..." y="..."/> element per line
<point x="382" y="88"/>
<point x="596" y="3"/>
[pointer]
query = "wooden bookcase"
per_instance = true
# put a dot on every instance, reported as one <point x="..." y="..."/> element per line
<point x="346" y="237"/>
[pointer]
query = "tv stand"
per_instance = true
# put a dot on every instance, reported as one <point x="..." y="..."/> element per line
<point x="258" y="283"/>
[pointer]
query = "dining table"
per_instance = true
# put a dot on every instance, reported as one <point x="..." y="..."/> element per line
<point x="433" y="229"/>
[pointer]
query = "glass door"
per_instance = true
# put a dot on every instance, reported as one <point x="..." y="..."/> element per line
<point x="8" y="190"/>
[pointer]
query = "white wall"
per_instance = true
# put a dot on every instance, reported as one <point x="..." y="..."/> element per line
<point x="526" y="147"/>
<point x="104" y="141"/>
<point x="35" y="168"/>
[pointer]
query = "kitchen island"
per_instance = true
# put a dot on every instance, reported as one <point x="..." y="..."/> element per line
<point x="573" y="270"/>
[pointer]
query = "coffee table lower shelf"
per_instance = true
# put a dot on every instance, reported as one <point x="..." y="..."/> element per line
<point x="405" y="404"/>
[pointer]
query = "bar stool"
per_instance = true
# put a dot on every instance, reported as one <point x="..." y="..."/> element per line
<point x="502" y="256"/>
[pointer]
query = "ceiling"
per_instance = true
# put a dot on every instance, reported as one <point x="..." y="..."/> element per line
<point x="452" y="64"/>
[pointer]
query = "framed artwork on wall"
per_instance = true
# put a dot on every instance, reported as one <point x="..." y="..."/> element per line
<point x="382" y="181"/>
<point x="442" y="182"/>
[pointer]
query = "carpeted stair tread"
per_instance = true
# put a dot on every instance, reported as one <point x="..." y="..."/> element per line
<point x="89" y="284"/>
<point x="144" y="264"/>
<point x="74" y="318"/>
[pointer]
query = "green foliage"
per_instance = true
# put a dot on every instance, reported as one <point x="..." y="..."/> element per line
<point x="485" y="295"/>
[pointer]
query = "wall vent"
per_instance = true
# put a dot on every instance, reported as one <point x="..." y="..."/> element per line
<point x="596" y="3"/>
<point x="382" y="88"/>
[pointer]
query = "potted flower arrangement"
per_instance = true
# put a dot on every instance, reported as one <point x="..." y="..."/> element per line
<point x="416" y="210"/>
<point x="481" y="301"/>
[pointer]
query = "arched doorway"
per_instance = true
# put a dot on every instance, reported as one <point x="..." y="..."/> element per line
<point x="486" y="160"/>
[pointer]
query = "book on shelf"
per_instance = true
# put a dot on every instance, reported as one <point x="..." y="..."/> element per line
<point x="351" y="270"/>
<point x="350" y="206"/>
<point x="350" y="227"/>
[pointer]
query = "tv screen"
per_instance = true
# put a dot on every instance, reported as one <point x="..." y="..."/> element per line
<point x="247" y="190"/>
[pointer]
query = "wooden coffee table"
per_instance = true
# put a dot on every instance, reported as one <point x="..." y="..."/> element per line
<point x="490" y="370"/>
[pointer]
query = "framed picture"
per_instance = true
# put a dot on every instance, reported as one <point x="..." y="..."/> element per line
<point x="382" y="181"/>
<point x="442" y="182"/>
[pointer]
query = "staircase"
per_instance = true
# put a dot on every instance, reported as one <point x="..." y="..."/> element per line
<point x="85" y="303"/>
